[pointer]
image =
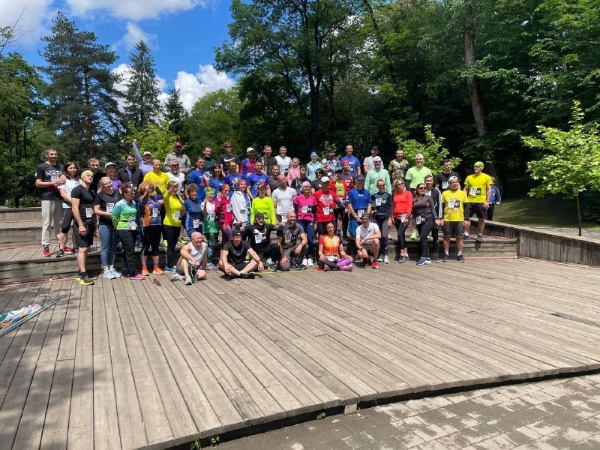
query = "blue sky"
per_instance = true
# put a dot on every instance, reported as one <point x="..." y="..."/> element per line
<point x="181" y="33"/>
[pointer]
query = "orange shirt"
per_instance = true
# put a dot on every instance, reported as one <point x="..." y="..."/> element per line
<point x="331" y="245"/>
<point x="403" y="203"/>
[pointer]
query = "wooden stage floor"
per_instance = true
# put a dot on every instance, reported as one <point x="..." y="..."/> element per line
<point x="127" y="364"/>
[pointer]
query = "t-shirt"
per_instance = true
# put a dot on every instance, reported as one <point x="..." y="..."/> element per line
<point x="354" y="163"/>
<point x="265" y="206"/>
<point x="173" y="206"/>
<point x="284" y="199"/>
<point x="233" y="180"/>
<point x="403" y="202"/>
<point x="178" y="178"/>
<point x="284" y="163"/>
<point x="397" y="169"/>
<point x="193" y="214"/>
<point x="107" y="203"/>
<point x="124" y="215"/>
<point x="224" y="210"/>
<point x="150" y="210"/>
<point x="259" y="238"/>
<point x="236" y="255"/>
<point x="359" y="199"/>
<point x="254" y="180"/>
<point x="197" y="178"/>
<point x="363" y="232"/>
<point x="305" y="207"/>
<point x="381" y="204"/>
<point x="47" y="173"/>
<point x="331" y="245"/>
<point x="441" y="180"/>
<point x="160" y="180"/>
<point x="477" y="187"/>
<point x="209" y="222"/>
<point x="325" y="205"/>
<point x="290" y="236"/>
<point x="225" y="159"/>
<point x="86" y="203"/>
<point x="68" y="188"/>
<point x="416" y="175"/>
<point x="454" y="205"/>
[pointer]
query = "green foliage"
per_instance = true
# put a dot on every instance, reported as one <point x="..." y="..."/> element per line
<point x="176" y="114"/>
<point x="432" y="149"/>
<point x="155" y="137"/>
<point x="321" y="415"/>
<point x="142" y="88"/>
<point x="214" y="440"/>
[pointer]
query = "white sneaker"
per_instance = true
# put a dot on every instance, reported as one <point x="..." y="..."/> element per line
<point x="310" y="262"/>
<point x="176" y="277"/>
<point x="188" y="280"/>
<point x="108" y="275"/>
<point x="386" y="259"/>
<point x="304" y="262"/>
<point x="380" y="259"/>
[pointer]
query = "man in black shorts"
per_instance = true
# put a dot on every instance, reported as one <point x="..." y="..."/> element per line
<point x="82" y="202"/>
<point x="259" y="236"/>
<point x="233" y="258"/>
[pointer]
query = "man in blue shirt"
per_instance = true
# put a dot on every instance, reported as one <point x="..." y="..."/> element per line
<point x="200" y="178"/>
<point x="353" y="160"/>
<point x="359" y="203"/>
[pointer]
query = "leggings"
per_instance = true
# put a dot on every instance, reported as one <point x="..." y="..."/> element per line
<point x="151" y="238"/>
<point x="424" y="229"/>
<point x="172" y="235"/>
<point x="225" y="234"/>
<point x="401" y="228"/>
<point x="127" y="237"/>
<point x="435" y="234"/>
<point x="211" y="239"/>
<point x="382" y="223"/>
<point x="309" y="229"/>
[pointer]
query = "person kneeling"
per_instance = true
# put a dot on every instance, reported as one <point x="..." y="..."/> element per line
<point x="368" y="237"/>
<point x="191" y="266"/>
<point x="233" y="260"/>
<point x="293" y="243"/>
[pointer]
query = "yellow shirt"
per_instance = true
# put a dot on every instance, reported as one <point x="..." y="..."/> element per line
<point x="173" y="205"/>
<point x="454" y="205"/>
<point x="477" y="187"/>
<point x="161" y="180"/>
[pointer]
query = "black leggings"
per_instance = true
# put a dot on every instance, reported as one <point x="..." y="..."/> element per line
<point x="424" y="230"/>
<point x="127" y="237"/>
<point x="401" y="228"/>
<point x="172" y="235"/>
<point x="151" y="238"/>
<point x="435" y="234"/>
<point x="270" y="251"/>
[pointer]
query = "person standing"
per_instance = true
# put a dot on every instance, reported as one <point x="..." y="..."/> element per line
<point x="398" y="167"/>
<point x="82" y="202"/>
<point x="369" y="161"/>
<point x="425" y="217"/>
<point x="415" y="176"/>
<point x="104" y="204"/>
<point x="442" y="180"/>
<point x="130" y="174"/>
<point x="478" y="187"/>
<point x="283" y="199"/>
<point x="209" y="161"/>
<point x="381" y="206"/>
<point x="268" y="159"/>
<point x="313" y="166"/>
<point x="145" y="162"/>
<point x="124" y="220"/>
<point x="283" y="161"/>
<point x="67" y="218"/>
<point x="185" y="164"/>
<point x="455" y="216"/>
<point x="228" y="156"/>
<point x="353" y="160"/>
<point x="247" y="165"/>
<point x="49" y="176"/>
<point x="376" y="174"/>
<point x="157" y="177"/>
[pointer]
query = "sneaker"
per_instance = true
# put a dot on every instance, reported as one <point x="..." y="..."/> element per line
<point x="176" y="277"/>
<point x="445" y="258"/>
<point x="145" y="271"/>
<point x="108" y="275"/>
<point x="182" y="241"/>
<point x="188" y="280"/>
<point x="365" y="261"/>
<point x="421" y="262"/>
<point x="165" y="243"/>
<point x="115" y="273"/>
<point x="305" y="262"/>
<point x="69" y="251"/>
<point x="211" y="266"/>
<point x="294" y="267"/>
<point x="380" y="259"/>
<point x="437" y="260"/>
<point x="401" y="260"/>
<point x="428" y="260"/>
<point x="61" y="253"/>
<point x="414" y="236"/>
<point x="272" y="268"/>
<point x="86" y="281"/>
<point x="460" y="258"/>
<point x="465" y="236"/>
<point x="375" y="265"/>
<point x="479" y="238"/>
<point x="156" y="270"/>
<point x="347" y="268"/>
<point x="310" y="262"/>
<point x="138" y="276"/>
<point x="386" y="259"/>
<point x="168" y="269"/>
<point x="46" y="252"/>
<point x="249" y="275"/>
<point x="398" y="257"/>
<point x="406" y="258"/>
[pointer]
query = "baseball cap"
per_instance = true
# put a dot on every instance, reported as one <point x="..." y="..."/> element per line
<point x="377" y="159"/>
<point x="147" y="153"/>
<point x="236" y="232"/>
<point x="338" y="169"/>
<point x="479" y="164"/>
<point x="453" y="178"/>
<point x="110" y="163"/>
<point x="177" y="145"/>
<point x="325" y="180"/>
<point x="262" y="184"/>
<point x="250" y="149"/>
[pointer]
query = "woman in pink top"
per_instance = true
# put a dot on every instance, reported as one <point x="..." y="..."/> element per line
<point x="305" y="205"/>
<point x="293" y="171"/>
<point x="224" y="213"/>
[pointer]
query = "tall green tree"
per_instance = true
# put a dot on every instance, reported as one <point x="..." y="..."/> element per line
<point x="142" y="104"/>
<point x="176" y="114"/>
<point x="81" y="95"/>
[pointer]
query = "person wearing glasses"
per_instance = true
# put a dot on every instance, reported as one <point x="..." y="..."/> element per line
<point x="402" y="202"/>
<point x="177" y="155"/>
<point x="228" y="156"/>
<point x="124" y="219"/>
<point x="381" y="207"/>
<point x="425" y="217"/>
<point x="414" y="176"/>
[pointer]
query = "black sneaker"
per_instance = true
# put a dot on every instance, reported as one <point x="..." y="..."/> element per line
<point x="86" y="281"/>
<point x="479" y="238"/>
<point x="460" y="259"/>
<point x="249" y="275"/>
<point x="445" y="258"/>
<point x="61" y="253"/>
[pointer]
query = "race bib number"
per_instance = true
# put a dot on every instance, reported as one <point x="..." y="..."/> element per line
<point x="258" y="238"/>
<point x="419" y="220"/>
<point x="228" y="208"/>
<point x="212" y="216"/>
<point x="132" y="225"/>
<point x="475" y="191"/>
<point x="155" y="212"/>
<point x="360" y="212"/>
<point x="453" y="204"/>
<point x="304" y="209"/>
<point x="89" y="212"/>
<point x="287" y="238"/>
<point x="196" y="223"/>
<point x="331" y="258"/>
<point x="444" y="185"/>
<point x="109" y="207"/>
<point x="284" y="218"/>
<point x="327" y="211"/>
<point x="402" y="217"/>
<point x="176" y="215"/>
<point x="377" y="202"/>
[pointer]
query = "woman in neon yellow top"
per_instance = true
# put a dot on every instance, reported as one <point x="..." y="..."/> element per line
<point x="263" y="204"/>
<point x="172" y="223"/>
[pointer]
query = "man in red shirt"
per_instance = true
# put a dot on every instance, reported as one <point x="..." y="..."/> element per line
<point x="326" y="201"/>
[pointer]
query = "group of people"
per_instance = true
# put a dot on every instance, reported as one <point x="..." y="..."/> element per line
<point x="244" y="201"/>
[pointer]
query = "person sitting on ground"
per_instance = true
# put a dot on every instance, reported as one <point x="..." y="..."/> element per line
<point x="368" y="237"/>
<point x="293" y="243"/>
<point x="331" y="251"/>
<point x="259" y="236"/>
<point x="234" y="262"/>
<point x="191" y="266"/>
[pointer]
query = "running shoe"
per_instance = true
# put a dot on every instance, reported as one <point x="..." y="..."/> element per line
<point x="137" y="277"/>
<point x="310" y="262"/>
<point x="398" y="257"/>
<point x="479" y="238"/>
<point x="365" y="261"/>
<point x="347" y="268"/>
<point x="211" y="266"/>
<point x="69" y="251"/>
<point x="61" y="253"/>
<point x="380" y="259"/>
<point x="188" y="280"/>
<point x="294" y="267"/>
<point x="421" y="262"/>
<point x="428" y="260"/>
<point x="156" y="270"/>
<point x="414" y="236"/>
<point x="386" y="259"/>
<point x="46" y="252"/>
<point x="145" y="271"/>
<point x="182" y="241"/>
<point x="445" y="258"/>
<point x="115" y="273"/>
<point x="272" y="268"/>
<point x="108" y="275"/>
<point x="401" y="260"/>
<point x="460" y="258"/>
<point x="86" y="281"/>
<point x="249" y="275"/>
<point x="176" y="277"/>
<point x="406" y="258"/>
<point x="375" y="265"/>
<point x="165" y="243"/>
<point x="465" y="236"/>
<point x="305" y="262"/>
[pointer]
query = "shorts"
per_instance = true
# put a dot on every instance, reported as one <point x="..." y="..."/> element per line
<point x="241" y="266"/>
<point x="67" y="220"/>
<point x="88" y="239"/>
<point x="453" y="229"/>
<point x="475" y="208"/>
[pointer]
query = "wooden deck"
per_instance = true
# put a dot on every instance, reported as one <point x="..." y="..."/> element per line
<point x="127" y="364"/>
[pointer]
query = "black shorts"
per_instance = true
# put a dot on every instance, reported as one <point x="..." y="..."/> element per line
<point x="453" y="229"/>
<point x="241" y="266"/>
<point x="67" y="220"/>
<point x="88" y="239"/>
<point x="477" y="209"/>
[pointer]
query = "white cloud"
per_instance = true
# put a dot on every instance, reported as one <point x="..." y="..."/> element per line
<point x="192" y="87"/>
<point x="133" y="9"/>
<point x="135" y="34"/>
<point x="31" y="16"/>
<point x="124" y="71"/>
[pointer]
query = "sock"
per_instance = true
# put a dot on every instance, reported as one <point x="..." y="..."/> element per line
<point x="459" y="253"/>
<point x="447" y="253"/>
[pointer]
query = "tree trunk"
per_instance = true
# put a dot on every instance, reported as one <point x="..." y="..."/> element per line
<point x="578" y="213"/>
<point x="472" y="82"/>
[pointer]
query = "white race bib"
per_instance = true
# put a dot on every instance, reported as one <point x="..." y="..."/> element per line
<point x="475" y="191"/>
<point x="360" y="212"/>
<point x="327" y="211"/>
<point x="453" y="204"/>
<point x="444" y="185"/>
<point x="155" y="212"/>
<point x="304" y="209"/>
<point x="109" y="207"/>
<point x="377" y="202"/>
<point x="419" y="220"/>
<point x="284" y="218"/>
<point x="196" y="223"/>
<point x="89" y="212"/>
<point x="176" y="215"/>
<point x="132" y="225"/>
<point x="228" y="208"/>
<point x="258" y="238"/>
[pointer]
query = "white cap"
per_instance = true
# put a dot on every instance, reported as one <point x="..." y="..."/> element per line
<point x="324" y="179"/>
<point x="249" y="149"/>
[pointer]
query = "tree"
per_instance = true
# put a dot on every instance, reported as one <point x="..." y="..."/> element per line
<point x="571" y="161"/>
<point x="433" y="150"/>
<point x="155" y="137"/>
<point x="82" y="100"/>
<point x="142" y="88"/>
<point x="176" y="114"/>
